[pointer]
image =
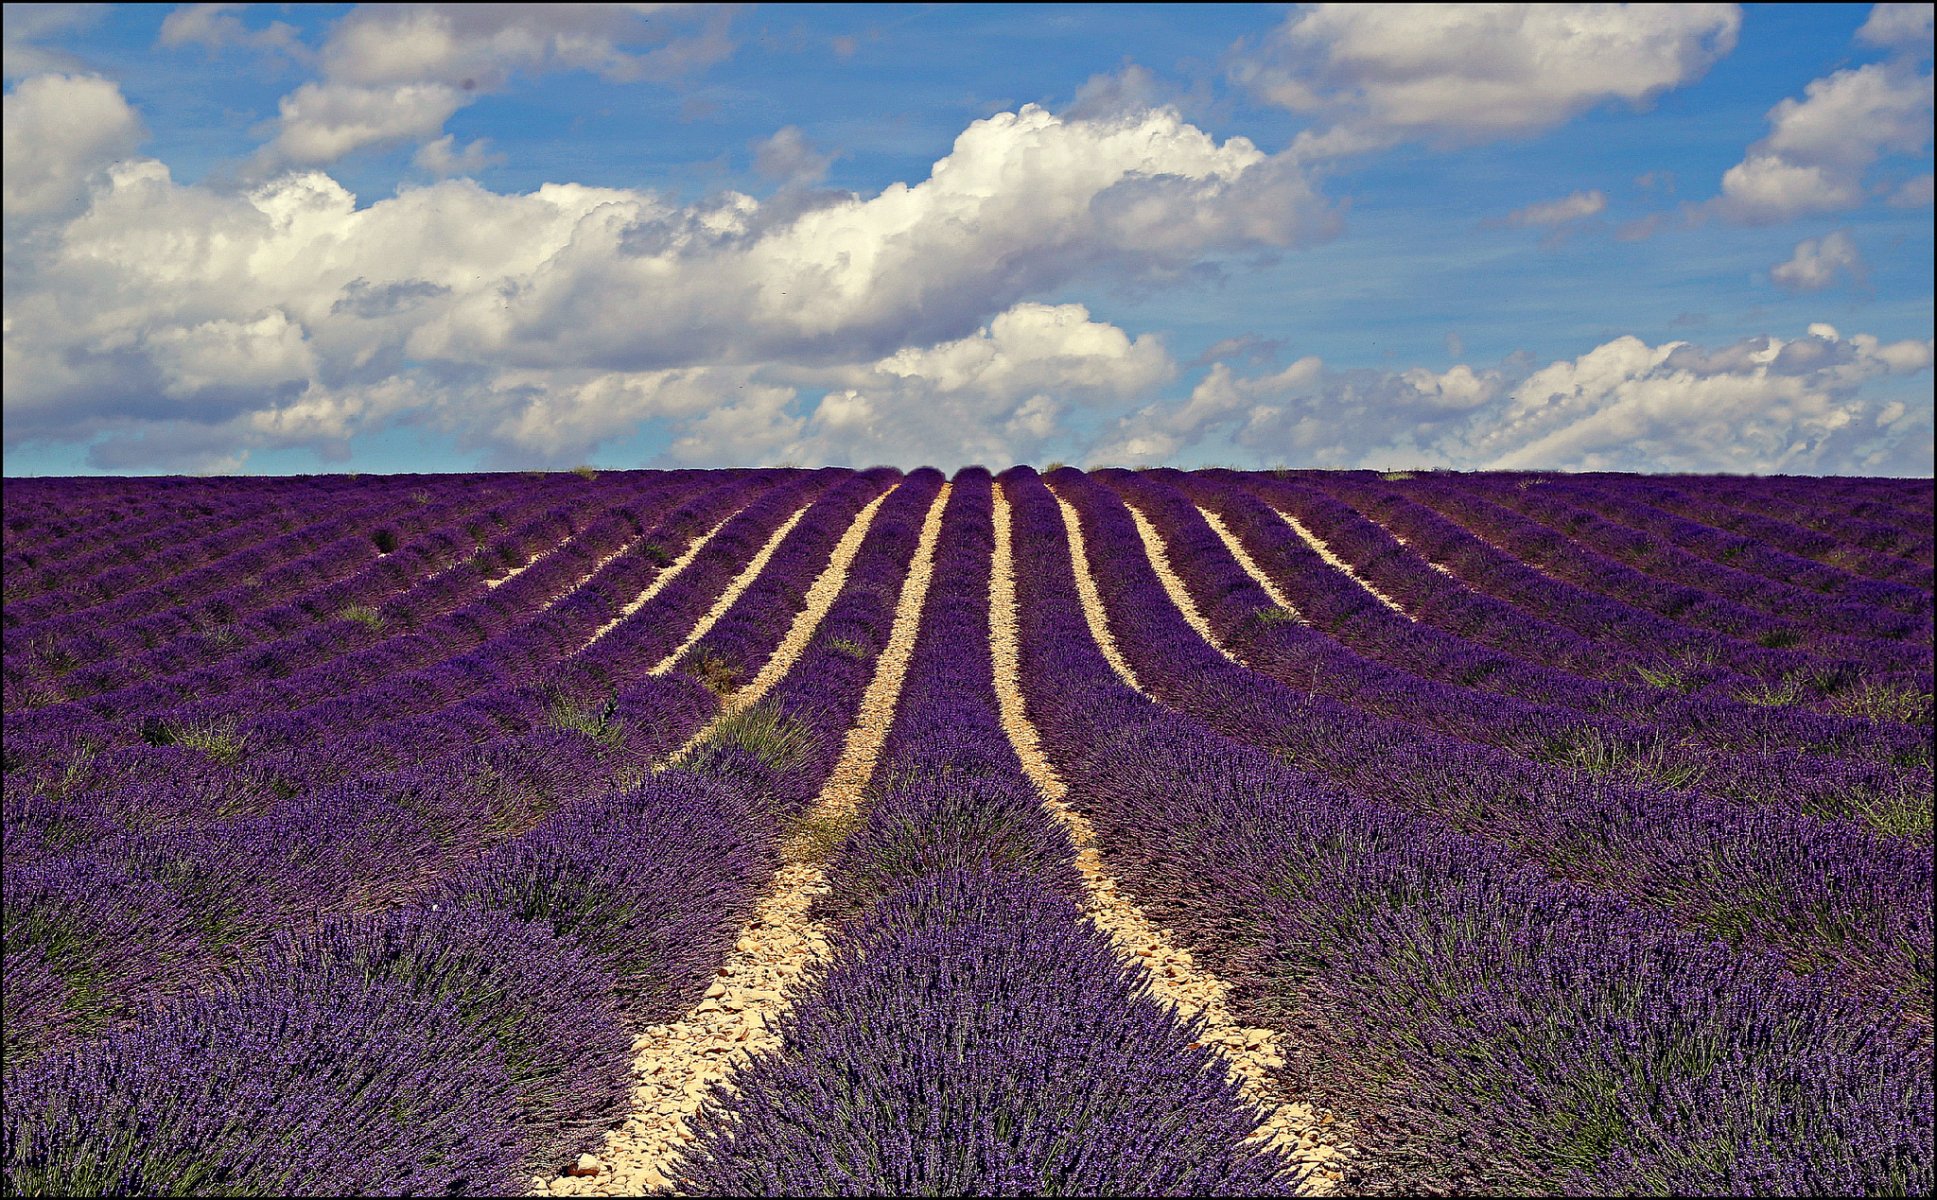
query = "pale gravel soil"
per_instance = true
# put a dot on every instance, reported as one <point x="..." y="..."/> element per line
<point x="1308" y="1135"/>
<point x="659" y="582"/>
<point x="740" y="583"/>
<point x="820" y="598"/>
<point x="1159" y="556"/>
<point x="1325" y="552"/>
<point x="1249" y="564"/>
<point x="676" y="1064"/>
<point x="1091" y="600"/>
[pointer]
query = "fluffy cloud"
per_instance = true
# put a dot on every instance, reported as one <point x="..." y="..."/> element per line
<point x="396" y="73"/>
<point x="1818" y="403"/>
<point x="1818" y="262"/>
<point x="215" y="27"/>
<point x="1898" y="27"/>
<point x="1463" y="73"/>
<point x="26" y="25"/>
<point x="1575" y="207"/>
<point x="61" y="131"/>
<point x="1820" y="147"/>
<point x="443" y="159"/>
<point x="186" y="322"/>
<point x="788" y="156"/>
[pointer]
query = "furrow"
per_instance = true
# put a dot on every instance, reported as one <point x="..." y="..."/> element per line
<point x="1245" y="560"/>
<point x="677" y="1064"/>
<point x="740" y="583"/>
<point x="665" y="577"/>
<point x="821" y="595"/>
<point x="1158" y="554"/>
<point x="1172" y="974"/>
<point x="1093" y="602"/>
<point x="1325" y="552"/>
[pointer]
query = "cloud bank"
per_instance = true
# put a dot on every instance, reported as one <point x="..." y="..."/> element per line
<point x="1761" y="405"/>
<point x="181" y="323"/>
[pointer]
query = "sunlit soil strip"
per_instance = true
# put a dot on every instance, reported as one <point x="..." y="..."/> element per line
<point x="1172" y="975"/>
<point x="1245" y="560"/>
<point x="677" y="1064"/>
<point x="741" y="583"/>
<point x="658" y="584"/>
<point x="516" y="571"/>
<point x="1158" y="554"/>
<point x="1091" y="600"/>
<point x="1325" y="552"/>
<point x="821" y="595"/>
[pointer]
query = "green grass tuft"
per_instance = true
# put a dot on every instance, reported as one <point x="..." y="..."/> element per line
<point x="362" y="614"/>
<point x="765" y="732"/>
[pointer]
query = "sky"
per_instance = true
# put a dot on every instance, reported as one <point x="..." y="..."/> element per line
<point x="272" y="239"/>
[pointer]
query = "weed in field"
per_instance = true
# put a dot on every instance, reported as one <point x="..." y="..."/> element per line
<point x="1881" y="702"/>
<point x="362" y="614"/>
<point x="217" y="739"/>
<point x="1772" y="695"/>
<point x="585" y="472"/>
<point x="1667" y="676"/>
<point x="1276" y="616"/>
<point x="766" y="733"/>
<point x="818" y="835"/>
<point x="1588" y="749"/>
<point x="655" y="554"/>
<point x="719" y="675"/>
<point x="850" y="648"/>
<point x="595" y="721"/>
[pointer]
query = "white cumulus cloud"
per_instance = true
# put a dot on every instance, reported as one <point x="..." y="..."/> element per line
<point x="61" y="132"/>
<point x="1464" y="73"/>
<point x="1819" y="148"/>
<point x="177" y="325"/>
<point x="1821" y="402"/>
<point x="396" y="72"/>
<point x="1818" y="262"/>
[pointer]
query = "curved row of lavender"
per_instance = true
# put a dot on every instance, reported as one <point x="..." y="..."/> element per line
<point x="610" y="913"/>
<point x="1490" y="1025"/>
<point x="1823" y="892"/>
<point x="1491" y="653"/>
<point x="972" y="1033"/>
<point x="342" y="777"/>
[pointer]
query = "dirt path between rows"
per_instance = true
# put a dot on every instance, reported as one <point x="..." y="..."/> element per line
<point x="1245" y="560"/>
<point x="672" y="572"/>
<point x="741" y="583"/>
<point x="1308" y="1136"/>
<point x="676" y="1064"/>
<point x="1325" y="552"/>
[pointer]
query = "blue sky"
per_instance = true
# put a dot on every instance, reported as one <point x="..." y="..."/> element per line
<point x="298" y="238"/>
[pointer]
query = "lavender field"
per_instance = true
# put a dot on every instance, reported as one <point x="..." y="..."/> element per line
<point x="790" y="831"/>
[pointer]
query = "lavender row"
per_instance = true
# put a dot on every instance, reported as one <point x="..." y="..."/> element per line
<point x="1490" y="1029"/>
<point x="75" y="750"/>
<point x="175" y="575"/>
<point x="971" y="1033"/>
<point x="732" y="653"/>
<point x="289" y="601"/>
<point x="455" y="655"/>
<point x="1642" y="609"/>
<point x="1429" y="685"/>
<point x="1827" y="895"/>
<point x="1876" y="524"/>
<point x="1613" y="642"/>
<point x="1691" y="583"/>
<point x="1695" y="701"/>
<point x="1628" y="501"/>
<point x="55" y="566"/>
<point x="1690" y="499"/>
<point x="657" y="905"/>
